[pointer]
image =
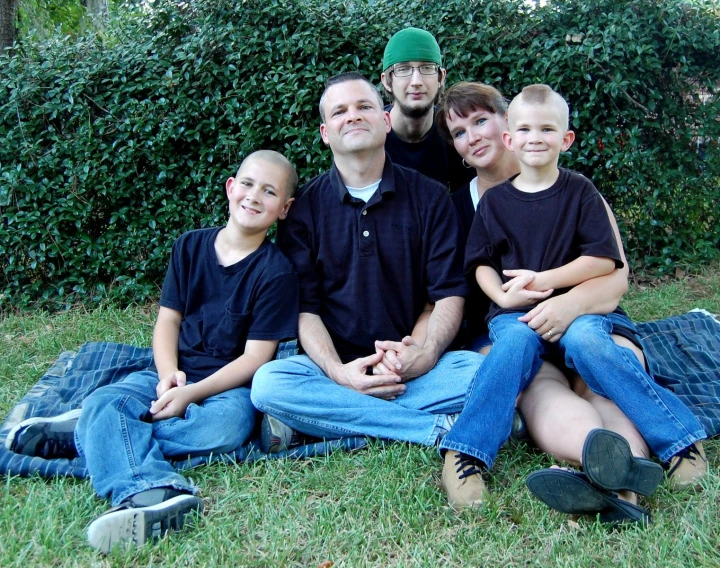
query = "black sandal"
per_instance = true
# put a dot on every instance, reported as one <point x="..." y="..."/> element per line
<point x="608" y="462"/>
<point x="571" y="492"/>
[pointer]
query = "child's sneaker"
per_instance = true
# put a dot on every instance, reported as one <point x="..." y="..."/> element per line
<point x="276" y="436"/>
<point x="688" y="467"/>
<point x="46" y="437"/>
<point x="462" y="480"/>
<point x="146" y="516"/>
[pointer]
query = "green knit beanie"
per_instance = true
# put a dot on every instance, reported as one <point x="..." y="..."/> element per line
<point x="411" y="44"/>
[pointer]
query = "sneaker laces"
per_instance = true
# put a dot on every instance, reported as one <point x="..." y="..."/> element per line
<point x="690" y="453"/>
<point x="468" y="465"/>
<point x="57" y="447"/>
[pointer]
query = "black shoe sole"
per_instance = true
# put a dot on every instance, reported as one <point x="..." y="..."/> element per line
<point x="570" y="492"/>
<point x="608" y="462"/>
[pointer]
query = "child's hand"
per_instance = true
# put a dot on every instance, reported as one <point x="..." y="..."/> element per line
<point x="176" y="379"/>
<point x="173" y="403"/>
<point x="529" y="279"/>
<point x="518" y="295"/>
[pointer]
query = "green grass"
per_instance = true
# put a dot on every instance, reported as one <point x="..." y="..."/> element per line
<point x="377" y="507"/>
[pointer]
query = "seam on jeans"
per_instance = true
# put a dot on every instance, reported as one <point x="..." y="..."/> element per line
<point x="681" y="445"/>
<point x="126" y="439"/>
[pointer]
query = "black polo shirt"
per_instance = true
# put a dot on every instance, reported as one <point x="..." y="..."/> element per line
<point x="367" y="269"/>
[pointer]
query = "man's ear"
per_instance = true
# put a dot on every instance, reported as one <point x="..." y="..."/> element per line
<point x="388" y="122"/>
<point x="568" y="140"/>
<point x="443" y="74"/>
<point x="507" y="140"/>
<point x="229" y="186"/>
<point x="385" y="79"/>
<point x="286" y="208"/>
<point x="323" y="133"/>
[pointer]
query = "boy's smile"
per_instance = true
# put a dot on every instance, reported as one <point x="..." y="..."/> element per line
<point x="257" y="195"/>
<point x="537" y="134"/>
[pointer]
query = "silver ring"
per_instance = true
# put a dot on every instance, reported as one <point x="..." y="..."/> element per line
<point x="549" y="333"/>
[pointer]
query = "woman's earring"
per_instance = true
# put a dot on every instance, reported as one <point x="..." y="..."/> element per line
<point x="465" y="164"/>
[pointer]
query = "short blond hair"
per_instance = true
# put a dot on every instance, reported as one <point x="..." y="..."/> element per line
<point x="542" y="95"/>
<point x="277" y="159"/>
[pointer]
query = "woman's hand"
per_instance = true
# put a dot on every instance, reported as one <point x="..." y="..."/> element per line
<point x="554" y="315"/>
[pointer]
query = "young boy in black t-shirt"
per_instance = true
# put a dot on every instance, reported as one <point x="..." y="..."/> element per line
<point x="229" y="296"/>
<point x="552" y="224"/>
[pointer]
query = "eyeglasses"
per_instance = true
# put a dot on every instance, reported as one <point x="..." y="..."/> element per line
<point x="407" y="70"/>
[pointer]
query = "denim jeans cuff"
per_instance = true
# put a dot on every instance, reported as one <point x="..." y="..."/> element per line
<point x="172" y="482"/>
<point x="680" y="445"/>
<point x="438" y="433"/>
<point x="468" y="450"/>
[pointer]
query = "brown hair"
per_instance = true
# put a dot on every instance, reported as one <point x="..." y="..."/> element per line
<point x="464" y="98"/>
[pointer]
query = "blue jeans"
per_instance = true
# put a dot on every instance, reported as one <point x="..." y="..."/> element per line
<point x="298" y="392"/>
<point x="127" y="453"/>
<point x="609" y="370"/>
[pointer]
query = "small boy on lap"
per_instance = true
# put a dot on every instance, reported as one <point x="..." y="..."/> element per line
<point x="551" y="224"/>
<point x="228" y="298"/>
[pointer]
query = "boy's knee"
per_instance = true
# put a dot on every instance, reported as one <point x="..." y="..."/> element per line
<point x="585" y="330"/>
<point x="514" y="330"/>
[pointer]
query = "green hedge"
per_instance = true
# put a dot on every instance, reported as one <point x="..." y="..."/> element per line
<point x="110" y="148"/>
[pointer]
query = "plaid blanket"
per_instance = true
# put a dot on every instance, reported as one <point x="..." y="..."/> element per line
<point x="76" y="374"/>
<point x="683" y="353"/>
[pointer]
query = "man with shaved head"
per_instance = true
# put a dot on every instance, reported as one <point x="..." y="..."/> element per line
<point x="373" y="244"/>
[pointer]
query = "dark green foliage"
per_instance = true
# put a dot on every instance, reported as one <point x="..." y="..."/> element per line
<point x="109" y="149"/>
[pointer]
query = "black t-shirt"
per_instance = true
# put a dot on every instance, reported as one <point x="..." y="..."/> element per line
<point x="539" y="231"/>
<point x="432" y="156"/>
<point x="368" y="269"/>
<point x="224" y="306"/>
